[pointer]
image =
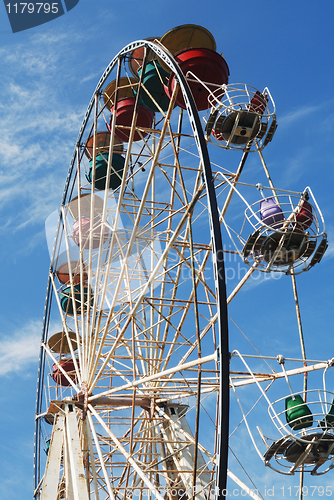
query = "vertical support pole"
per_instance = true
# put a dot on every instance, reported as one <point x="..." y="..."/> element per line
<point x="302" y="345"/>
<point x="52" y="470"/>
<point x="77" y="470"/>
<point x="88" y="435"/>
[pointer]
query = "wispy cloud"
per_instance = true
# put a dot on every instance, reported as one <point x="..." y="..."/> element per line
<point x="21" y="349"/>
<point x="39" y="127"/>
<point x="319" y="118"/>
<point x="298" y="114"/>
<point x="259" y="278"/>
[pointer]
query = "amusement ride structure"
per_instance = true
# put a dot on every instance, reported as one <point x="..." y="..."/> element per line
<point x="136" y="365"/>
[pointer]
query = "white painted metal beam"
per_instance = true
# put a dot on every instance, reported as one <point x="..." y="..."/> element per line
<point x="52" y="471"/>
<point x="75" y="456"/>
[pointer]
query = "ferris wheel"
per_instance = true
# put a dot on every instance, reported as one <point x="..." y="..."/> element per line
<point x="133" y="387"/>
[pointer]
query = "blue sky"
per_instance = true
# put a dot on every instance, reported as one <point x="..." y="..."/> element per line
<point x="48" y="75"/>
